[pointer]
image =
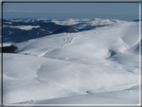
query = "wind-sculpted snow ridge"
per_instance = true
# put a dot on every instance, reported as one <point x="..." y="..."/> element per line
<point x="98" y="66"/>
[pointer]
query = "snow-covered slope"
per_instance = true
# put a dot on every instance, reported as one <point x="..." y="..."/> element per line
<point x="95" y="43"/>
<point x="95" y="99"/>
<point x="98" y="66"/>
<point x="78" y="23"/>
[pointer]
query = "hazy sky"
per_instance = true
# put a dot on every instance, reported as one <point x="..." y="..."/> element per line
<point x="122" y="11"/>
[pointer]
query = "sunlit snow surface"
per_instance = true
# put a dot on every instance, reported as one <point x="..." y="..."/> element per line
<point x="99" y="66"/>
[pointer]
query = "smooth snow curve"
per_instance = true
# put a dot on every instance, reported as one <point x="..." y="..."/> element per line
<point x="98" y="66"/>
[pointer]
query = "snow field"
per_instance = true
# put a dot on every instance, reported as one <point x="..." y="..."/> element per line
<point x="89" y="67"/>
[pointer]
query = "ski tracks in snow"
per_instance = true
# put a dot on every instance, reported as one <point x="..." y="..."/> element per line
<point x="65" y="41"/>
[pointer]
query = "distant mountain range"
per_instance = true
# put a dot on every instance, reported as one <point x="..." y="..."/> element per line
<point x="78" y="23"/>
<point x="22" y="29"/>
